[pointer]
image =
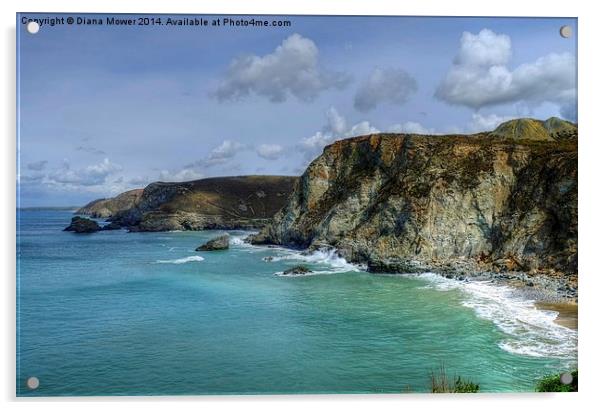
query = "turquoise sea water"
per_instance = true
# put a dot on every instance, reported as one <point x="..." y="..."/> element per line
<point x="116" y="313"/>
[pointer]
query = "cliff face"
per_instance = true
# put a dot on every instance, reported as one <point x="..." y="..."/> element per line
<point x="405" y="203"/>
<point x="105" y="208"/>
<point x="213" y="203"/>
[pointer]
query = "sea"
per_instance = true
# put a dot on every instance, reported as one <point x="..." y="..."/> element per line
<point x="118" y="313"/>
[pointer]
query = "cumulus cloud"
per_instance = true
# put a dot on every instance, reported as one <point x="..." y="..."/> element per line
<point x="480" y="76"/>
<point x="226" y="150"/>
<point x="412" y="127"/>
<point x="336" y="122"/>
<point x="384" y="86"/>
<point x="292" y="69"/>
<point x="219" y="155"/>
<point x="484" y="49"/>
<point x="478" y="122"/>
<point x="489" y="122"/>
<point x="361" y="128"/>
<point x="92" y="175"/>
<point x="270" y="151"/>
<point x="185" y="174"/>
<point x="37" y="166"/>
<point x="336" y="129"/>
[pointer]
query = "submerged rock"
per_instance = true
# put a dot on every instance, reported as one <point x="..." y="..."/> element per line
<point x="297" y="270"/>
<point x="216" y="244"/>
<point x="82" y="225"/>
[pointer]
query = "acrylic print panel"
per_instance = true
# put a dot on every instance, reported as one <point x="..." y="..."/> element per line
<point x="296" y="204"/>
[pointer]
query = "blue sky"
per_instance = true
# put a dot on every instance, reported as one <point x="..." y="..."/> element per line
<point x="104" y="108"/>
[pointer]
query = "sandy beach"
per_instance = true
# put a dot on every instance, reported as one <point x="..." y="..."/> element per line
<point x="567" y="313"/>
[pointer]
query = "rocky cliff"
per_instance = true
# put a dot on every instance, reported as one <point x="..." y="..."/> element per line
<point x="107" y="207"/>
<point x="501" y="200"/>
<point x="214" y="203"/>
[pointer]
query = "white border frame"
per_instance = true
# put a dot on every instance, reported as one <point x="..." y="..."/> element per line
<point x="590" y="148"/>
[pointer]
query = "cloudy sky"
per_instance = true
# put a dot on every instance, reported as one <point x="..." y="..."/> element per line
<point x="106" y="109"/>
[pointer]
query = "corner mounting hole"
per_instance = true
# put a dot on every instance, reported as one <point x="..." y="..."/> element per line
<point x="33" y="383"/>
<point x="33" y="27"/>
<point x="566" y="378"/>
<point x="566" y="31"/>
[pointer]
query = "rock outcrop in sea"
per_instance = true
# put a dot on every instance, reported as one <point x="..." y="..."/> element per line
<point x="219" y="243"/>
<point x="82" y="225"/>
<point x="297" y="270"/>
<point x="495" y="201"/>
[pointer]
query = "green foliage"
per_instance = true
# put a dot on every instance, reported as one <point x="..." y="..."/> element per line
<point x="441" y="383"/>
<point x="552" y="383"/>
<point x="465" y="386"/>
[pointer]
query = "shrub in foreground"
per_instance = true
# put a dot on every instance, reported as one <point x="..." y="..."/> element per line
<point x="553" y="384"/>
<point x="441" y="383"/>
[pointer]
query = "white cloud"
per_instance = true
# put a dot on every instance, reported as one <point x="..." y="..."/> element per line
<point x="384" y="86"/>
<point x="477" y="123"/>
<point x="270" y="151"/>
<point x="336" y="122"/>
<point x="92" y="175"/>
<point x="185" y="174"/>
<point x="361" y="128"/>
<point x="480" y="75"/>
<point x="487" y="122"/>
<point x="484" y="49"/>
<point x="219" y="155"/>
<point x="292" y="69"/>
<point x="411" y="127"/>
<point x="226" y="150"/>
<point x="335" y="130"/>
<point x="314" y="144"/>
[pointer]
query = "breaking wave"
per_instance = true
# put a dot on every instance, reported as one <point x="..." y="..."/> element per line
<point x="182" y="260"/>
<point x="528" y="330"/>
<point x="327" y="259"/>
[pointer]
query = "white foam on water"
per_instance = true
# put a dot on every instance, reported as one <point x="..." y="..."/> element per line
<point x="187" y="259"/>
<point x="329" y="257"/>
<point x="530" y="331"/>
<point x="237" y="240"/>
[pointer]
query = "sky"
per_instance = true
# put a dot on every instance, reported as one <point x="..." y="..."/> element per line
<point x="104" y="109"/>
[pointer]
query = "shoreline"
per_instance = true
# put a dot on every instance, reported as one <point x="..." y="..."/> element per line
<point x="552" y="293"/>
<point x="568" y="313"/>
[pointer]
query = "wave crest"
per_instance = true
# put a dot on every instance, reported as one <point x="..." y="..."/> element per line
<point x="330" y="257"/>
<point x="179" y="261"/>
<point x="529" y="331"/>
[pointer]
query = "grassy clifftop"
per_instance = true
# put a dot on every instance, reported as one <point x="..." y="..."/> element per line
<point x="552" y="129"/>
<point x="224" y="202"/>
<point x="107" y="207"/>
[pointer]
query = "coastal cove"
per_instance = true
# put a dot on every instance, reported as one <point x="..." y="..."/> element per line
<point x="98" y="312"/>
